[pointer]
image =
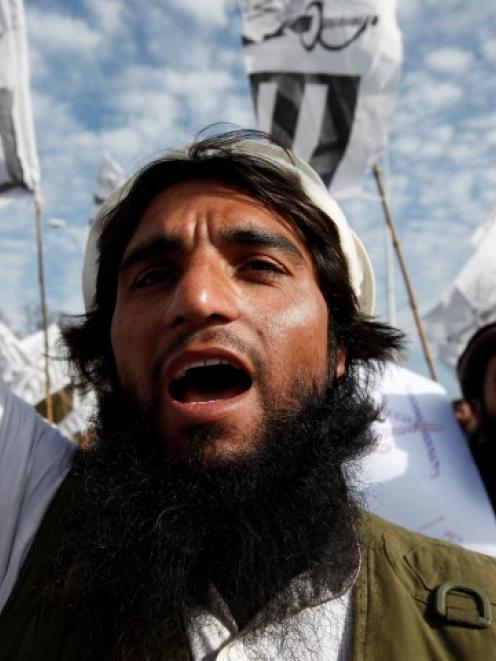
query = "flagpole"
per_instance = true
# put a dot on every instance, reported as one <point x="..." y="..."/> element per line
<point x="399" y="253"/>
<point x="44" y="318"/>
<point x="390" y="280"/>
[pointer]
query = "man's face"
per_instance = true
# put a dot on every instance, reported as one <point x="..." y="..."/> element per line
<point x="218" y="317"/>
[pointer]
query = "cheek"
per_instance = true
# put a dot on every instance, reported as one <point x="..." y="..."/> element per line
<point x="119" y="340"/>
<point x="299" y="336"/>
<point x="129" y="346"/>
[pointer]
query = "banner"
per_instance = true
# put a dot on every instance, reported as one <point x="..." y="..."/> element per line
<point x="323" y="76"/>
<point x="469" y="304"/>
<point x="421" y="474"/>
<point x="19" y="168"/>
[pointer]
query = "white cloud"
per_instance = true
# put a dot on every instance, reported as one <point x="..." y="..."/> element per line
<point x="407" y="145"/>
<point x="449" y="60"/>
<point x="422" y="95"/>
<point x="17" y="258"/>
<point x="37" y="65"/>
<point x="54" y="31"/>
<point x="441" y="95"/>
<point x="154" y="102"/>
<point x="205" y="83"/>
<point x="107" y="14"/>
<point x="482" y="122"/>
<point x="407" y="9"/>
<point x="213" y="11"/>
<point x="489" y="49"/>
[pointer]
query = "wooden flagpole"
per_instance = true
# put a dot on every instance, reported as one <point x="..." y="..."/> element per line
<point x="399" y="253"/>
<point x="44" y="319"/>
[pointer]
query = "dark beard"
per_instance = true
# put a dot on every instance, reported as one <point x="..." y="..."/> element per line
<point x="146" y="533"/>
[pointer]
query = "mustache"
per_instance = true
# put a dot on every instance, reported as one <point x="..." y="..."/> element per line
<point x="220" y="336"/>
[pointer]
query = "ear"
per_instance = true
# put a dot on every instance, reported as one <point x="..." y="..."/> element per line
<point x="340" y="368"/>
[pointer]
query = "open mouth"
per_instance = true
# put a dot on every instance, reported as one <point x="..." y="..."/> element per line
<point x="209" y="380"/>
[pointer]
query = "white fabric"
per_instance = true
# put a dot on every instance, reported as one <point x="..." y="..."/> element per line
<point x="34" y="458"/>
<point x="22" y="363"/>
<point x="469" y="304"/>
<point x="111" y="176"/>
<point x="325" y="627"/>
<point x="19" y="167"/>
<point x="422" y="475"/>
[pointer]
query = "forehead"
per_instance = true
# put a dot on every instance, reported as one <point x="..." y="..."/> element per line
<point x="206" y="208"/>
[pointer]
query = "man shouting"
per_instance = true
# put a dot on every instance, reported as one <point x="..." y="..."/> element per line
<point x="228" y="311"/>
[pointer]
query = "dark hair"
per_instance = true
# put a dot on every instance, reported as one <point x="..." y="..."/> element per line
<point x="473" y="361"/>
<point x="89" y="343"/>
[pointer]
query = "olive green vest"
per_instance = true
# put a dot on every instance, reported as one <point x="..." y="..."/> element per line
<point x="416" y="599"/>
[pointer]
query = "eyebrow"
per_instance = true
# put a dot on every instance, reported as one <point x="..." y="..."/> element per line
<point x="256" y="236"/>
<point x="154" y="247"/>
<point x="253" y="236"/>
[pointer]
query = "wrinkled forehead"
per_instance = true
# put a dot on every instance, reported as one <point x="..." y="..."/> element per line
<point x="272" y="157"/>
<point x="212" y="211"/>
<point x="213" y="201"/>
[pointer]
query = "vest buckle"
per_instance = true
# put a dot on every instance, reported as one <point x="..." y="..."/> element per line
<point x="459" y="615"/>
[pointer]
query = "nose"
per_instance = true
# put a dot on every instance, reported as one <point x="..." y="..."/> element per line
<point x="205" y="295"/>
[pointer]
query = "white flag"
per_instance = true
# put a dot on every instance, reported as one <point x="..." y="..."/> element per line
<point x="323" y="76"/>
<point x="469" y="304"/>
<point x="19" y="168"/>
<point x="111" y="176"/>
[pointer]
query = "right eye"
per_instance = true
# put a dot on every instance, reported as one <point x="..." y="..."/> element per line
<point x="152" y="277"/>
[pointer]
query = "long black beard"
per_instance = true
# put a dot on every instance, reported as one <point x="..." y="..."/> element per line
<point x="146" y="534"/>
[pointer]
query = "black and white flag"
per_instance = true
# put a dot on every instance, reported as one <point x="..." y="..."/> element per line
<point x="19" y="168"/>
<point x="323" y="76"/>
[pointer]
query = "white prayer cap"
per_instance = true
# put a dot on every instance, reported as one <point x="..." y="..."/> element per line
<point x="359" y="266"/>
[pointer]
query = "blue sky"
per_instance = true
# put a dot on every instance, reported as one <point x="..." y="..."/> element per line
<point x="134" y="78"/>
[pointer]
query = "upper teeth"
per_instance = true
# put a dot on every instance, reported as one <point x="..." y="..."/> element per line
<point x="201" y="363"/>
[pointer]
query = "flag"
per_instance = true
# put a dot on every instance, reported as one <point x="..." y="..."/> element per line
<point x="469" y="304"/>
<point x="323" y="77"/>
<point x="111" y="176"/>
<point x="19" y="168"/>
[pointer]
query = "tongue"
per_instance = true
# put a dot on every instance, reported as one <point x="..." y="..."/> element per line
<point x="211" y="394"/>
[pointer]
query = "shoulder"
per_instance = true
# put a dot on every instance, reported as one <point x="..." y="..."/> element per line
<point x="378" y="533"/>
<point x="421" y="595"/>
<point x="428" y="568"/>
